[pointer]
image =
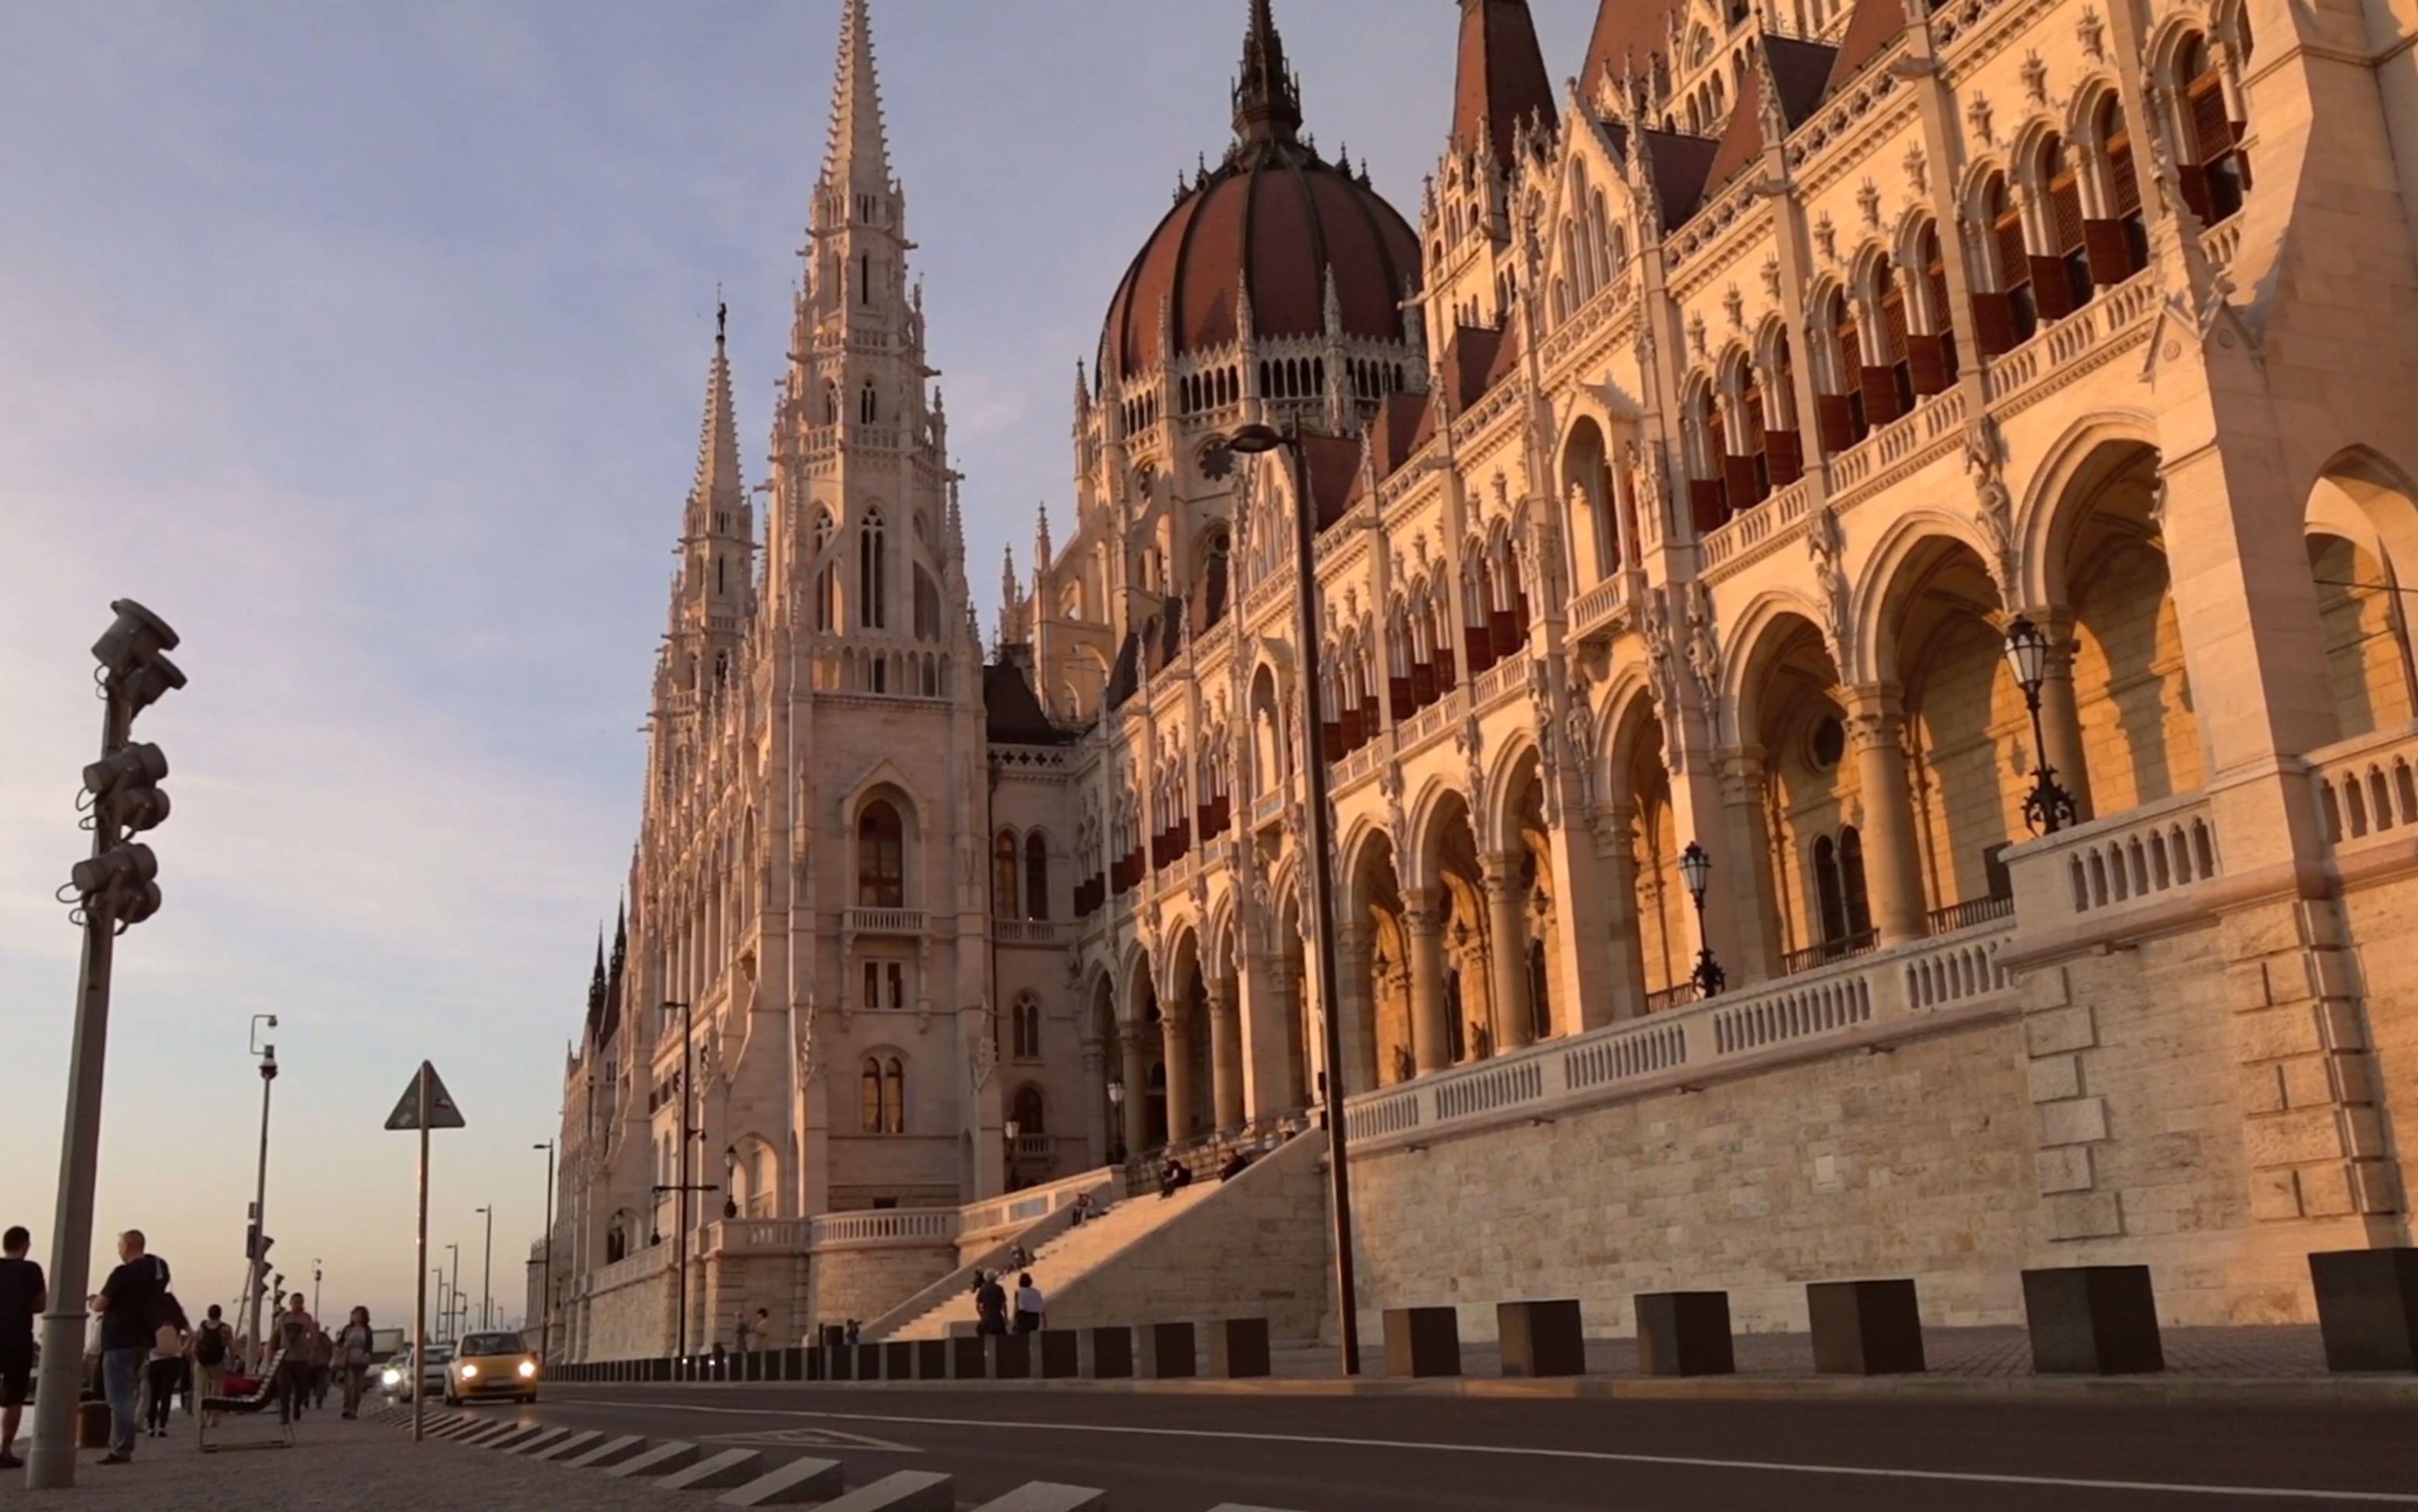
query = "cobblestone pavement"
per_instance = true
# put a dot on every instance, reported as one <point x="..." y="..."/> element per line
<point x="2264" y="1353"/>
<point x="336" y="1466"/>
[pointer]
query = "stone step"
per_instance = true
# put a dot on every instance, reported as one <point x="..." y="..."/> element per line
<point x="1074" y="1254"/>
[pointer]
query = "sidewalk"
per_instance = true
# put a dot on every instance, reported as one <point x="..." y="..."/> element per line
<point x="338" y="1466"/>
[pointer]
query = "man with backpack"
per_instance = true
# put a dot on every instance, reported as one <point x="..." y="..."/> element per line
<point x="212" y="1343"/>
<point x="134" y="1305"/>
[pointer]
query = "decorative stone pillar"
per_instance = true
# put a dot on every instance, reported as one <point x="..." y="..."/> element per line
<point x="1137" y="1087"/>
<point x="1225" y="1054"/>
<point x="1096" y="1113"/>
<point x="1876" y="723"/>
<point x="1175" y="1042"/>
<point x="1744" y="911"/>
<point x="1423" y="921"/>
<point x="1358" y="1002"/>
<point x="1508" y="920"/>
<point x="1615" y="862"/>
<point x="2062" y="712"/>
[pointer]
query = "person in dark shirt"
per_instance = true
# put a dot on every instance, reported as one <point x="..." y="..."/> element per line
<point x="131" y="1307"/>
<point x="24" y="1294"/>
<point x="990" y="1306"/>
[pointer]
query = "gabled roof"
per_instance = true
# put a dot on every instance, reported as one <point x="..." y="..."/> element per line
<point x="1468" y="359"/>
<point x="1332" y="464"/>
<point x="1013" y="712"/>
<point x="1682" y="166"/>
<point x="1872" y="27"/>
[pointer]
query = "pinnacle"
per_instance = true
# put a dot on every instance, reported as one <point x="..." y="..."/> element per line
<point x="860" y="144"/>
<point x="719" y="485"/>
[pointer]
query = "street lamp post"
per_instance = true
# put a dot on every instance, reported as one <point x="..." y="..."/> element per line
<point x="1696" y="869"/>
<point x="1254" y="440"/>
<point x="444" y="1304"/>
<point x="487" y="1274"/>
<point x="259" y="1237"/>
<point x="317" y="1276"/>
<point x="545" y="1291"/>
<point x="2048" y="807"/>
<point x="1116" y="1140"/>
<point x="454" y="1253"/>
<point x="684" y="1186"/>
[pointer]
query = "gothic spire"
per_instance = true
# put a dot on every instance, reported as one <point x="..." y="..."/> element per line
<point x="1267" y="97"/>
<point x="1501" y="84"/>
<point x="860" y="146"/>
<point x="719" y="485"/>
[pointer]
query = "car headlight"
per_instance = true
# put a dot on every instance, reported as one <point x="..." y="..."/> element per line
<point x="392" y="1378"/>
<point x="469" y="1372"/>
<point x="529" y="1370"/>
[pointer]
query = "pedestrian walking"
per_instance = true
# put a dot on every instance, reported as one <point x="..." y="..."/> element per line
<point x="1028" y="1304"/>
<point x="990" y="1306"/>
<point x="855" y="1333"/>
<point x="353" y="1348"/>
<point x="164" y="1372"/>
<point x="295" y="1327"/>
<point x="132" y="1304"/>
<point x="213" y="1348"/>
<point x="323" y="1366"/>
<point x="24" y="1294"/>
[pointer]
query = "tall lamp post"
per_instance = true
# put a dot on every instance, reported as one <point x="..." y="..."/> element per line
<point x="1117" y="1118"/>
<point x="2048" y="807"/>
<point x="1696" y="869"/>
<point x="1257" y="440"/>
<point x="487" y="1274"/>
<point x="684" y="1186"/>
<point x="545" y="1290"/>
<point x="317" y="1276"/>
<point x="259" y="1236"/>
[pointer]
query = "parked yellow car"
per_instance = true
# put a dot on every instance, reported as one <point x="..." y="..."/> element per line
<point x="491" y="1365"/>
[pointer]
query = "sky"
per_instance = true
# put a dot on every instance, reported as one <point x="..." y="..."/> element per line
<point x="366" y="345"/>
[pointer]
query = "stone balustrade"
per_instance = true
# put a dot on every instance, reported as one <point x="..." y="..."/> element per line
<point x="1817" y="1012"/>
<point x="2113" y="866"/>
<point x="1027" y="932"/>
<point x="1501" y="681"/>
<point x="884" y="921"/>
<point x="884" y="1228"/>
<point x="754" y="1236"/>
<point x="2367" y="788"/>
<point x="1599" y="606"/>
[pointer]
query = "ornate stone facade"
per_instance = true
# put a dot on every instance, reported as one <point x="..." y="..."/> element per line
<point x="1746" y="396"/>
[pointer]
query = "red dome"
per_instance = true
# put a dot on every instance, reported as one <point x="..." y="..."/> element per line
<point x="1275" y="218"/>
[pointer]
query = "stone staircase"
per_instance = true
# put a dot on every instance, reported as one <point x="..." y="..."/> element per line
<point x="1254" y="1247"/>
<point x="1072" y="1255"/>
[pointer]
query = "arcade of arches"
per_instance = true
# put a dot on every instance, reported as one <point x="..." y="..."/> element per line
<point x="1849" y="816"/>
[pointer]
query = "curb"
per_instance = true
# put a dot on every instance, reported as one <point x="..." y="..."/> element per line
<point x="2334" y="1391"/>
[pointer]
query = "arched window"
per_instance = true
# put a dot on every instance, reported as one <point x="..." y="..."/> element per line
<point x="826" y="574"/>
<point x="1934" y="352"/>
<point x="2218" y="175"/>
<point x="1036" y="877"/>
<point x="1028" y="1111"/>
<point x="1843" y="420"/>
<point x="1002" y="875"/>
<point x="831" y="403"/>
<point x="2006" y="318"/>
<point x="882" y="1095"/>
<point x="2061" y="277"/>
<point x="1027" y="1016"/>
<point x="873" y="574"/>
<point x="1889" y="371"/>
<point x="881" y="857"/>
<point x="868" y="403"/>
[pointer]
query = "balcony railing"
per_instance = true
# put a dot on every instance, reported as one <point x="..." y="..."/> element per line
<point x="1598" y="606"/>
<point x="1808" y="1013"/>
<point x="1026" y="931"/>
<point x="883" y="1226"/>
<point x="754" y="1236"/>
<point x="2367" y="788"/>
<point x="1828" y="952"/>
<point x="1743" y="534"/>
<point x="1501" y="680"/>
<point x="2111" y="865"/>
<point x="1964" y="915"/>
<point x="884" y="920"/>
<point x="1682" y="995"/>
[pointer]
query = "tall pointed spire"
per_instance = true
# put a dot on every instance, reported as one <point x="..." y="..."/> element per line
<point x="1502" y="83"/>
<point x="1267" y="97"/>
<point x="719" y="485"/>
<point x="860" y="145"/>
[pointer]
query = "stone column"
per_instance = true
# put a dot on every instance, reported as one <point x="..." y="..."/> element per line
<point x="1096" y="1113"/>
<point x="1742" y="905"/>
<point x="1175" y="1042"/>
<point x="1225" y="1054"/>
<point x="1877" y="723"/>
<point x="1358" y="1002"/>
<point x="1616" y="862"/>
<point x="1137" y="1087"/>
<point x="1423" y="921"/>
<point x="1508" y="920"/>
<point x="2062" y="712"/>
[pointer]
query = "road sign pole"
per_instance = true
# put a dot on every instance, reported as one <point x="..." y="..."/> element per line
<point x="419" y="1315"/>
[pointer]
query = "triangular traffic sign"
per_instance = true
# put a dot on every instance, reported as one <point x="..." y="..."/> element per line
<point x="442" y="1113"/>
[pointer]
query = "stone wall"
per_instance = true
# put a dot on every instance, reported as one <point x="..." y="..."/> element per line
<point x="1256" y="1248"/>
<point x="633" y="1320"/>
<point x="864" y="1284"/>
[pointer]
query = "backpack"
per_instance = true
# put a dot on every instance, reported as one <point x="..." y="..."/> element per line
<point x="209" y="1346"/>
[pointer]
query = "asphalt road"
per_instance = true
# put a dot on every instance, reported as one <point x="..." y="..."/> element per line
<point x="1165" y="1453"/>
